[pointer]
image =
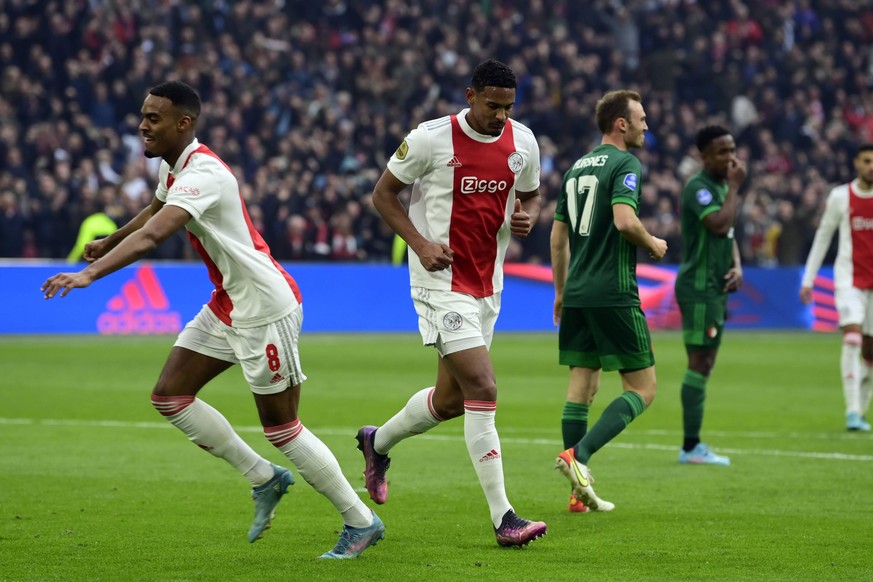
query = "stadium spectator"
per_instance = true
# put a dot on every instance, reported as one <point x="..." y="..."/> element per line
<point x="240" y="324"/>
<point x="96" y="224"/>
<point x="331" y="88"/>
<point x="476" y="184"/>
<point x="12" y="225"/>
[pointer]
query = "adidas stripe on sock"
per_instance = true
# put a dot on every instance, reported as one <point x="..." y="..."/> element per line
<point x="209" y="430"/>
<point x="318" y="466"/>
<point x="483" y="445"/>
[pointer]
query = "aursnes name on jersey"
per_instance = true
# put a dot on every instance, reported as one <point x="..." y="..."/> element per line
<point x="595" y="161"/>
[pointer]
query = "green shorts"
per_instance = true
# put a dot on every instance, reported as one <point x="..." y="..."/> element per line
<point x="611" y="338"/>
<point x="703" y="322"/>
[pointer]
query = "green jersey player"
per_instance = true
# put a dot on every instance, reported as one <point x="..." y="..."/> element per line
<point x="597" y="303"/>
<point x="710" y="270"/>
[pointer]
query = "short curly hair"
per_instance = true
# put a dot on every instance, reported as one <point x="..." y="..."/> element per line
<point x="709" y="134"/>
<point x="181" y="95"/>
<point x="492" y="73"/>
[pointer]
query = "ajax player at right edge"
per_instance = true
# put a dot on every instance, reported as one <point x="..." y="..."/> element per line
<point x="849" y="208"/>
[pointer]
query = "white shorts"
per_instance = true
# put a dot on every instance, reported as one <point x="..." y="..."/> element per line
<point x="454" y="321"/>
<point x="267" y="354"/>
<point x="855" y="306"/>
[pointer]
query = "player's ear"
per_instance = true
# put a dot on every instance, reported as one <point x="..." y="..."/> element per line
<point x="185" y="122"/>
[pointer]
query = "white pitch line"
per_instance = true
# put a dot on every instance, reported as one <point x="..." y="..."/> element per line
<point x="554" y="443"/>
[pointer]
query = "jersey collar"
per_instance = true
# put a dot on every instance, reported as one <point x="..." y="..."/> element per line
<point x="183" y="157"/>
<point x="472" y="133"/>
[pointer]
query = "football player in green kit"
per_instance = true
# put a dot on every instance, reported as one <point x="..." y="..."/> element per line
<point x="594" y="243"/>
<point x="710" y="269"/>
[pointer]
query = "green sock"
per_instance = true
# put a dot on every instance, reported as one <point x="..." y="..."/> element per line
<point x="615" y="417"/>
<point x="574" y="423"/>
<point x="693" y="396"/>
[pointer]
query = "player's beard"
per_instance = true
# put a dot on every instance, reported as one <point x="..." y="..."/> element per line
<point x="638" y="137"/>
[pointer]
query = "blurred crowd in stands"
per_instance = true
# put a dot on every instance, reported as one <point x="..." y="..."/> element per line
<point x="307" y="100"/>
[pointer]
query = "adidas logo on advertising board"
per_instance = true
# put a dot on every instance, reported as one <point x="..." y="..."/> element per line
<point x="141" y="308"/>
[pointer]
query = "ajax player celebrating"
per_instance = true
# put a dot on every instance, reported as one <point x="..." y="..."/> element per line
<point x="476" y="182"/>
<point x="253" y="319"/>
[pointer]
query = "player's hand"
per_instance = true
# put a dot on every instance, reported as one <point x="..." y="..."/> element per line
<point x="95" y="249"/>
<point x="736" y="172"/>
<point x="65" y="282"/>
<point x="806" y="295"/>
<point x="519" y="222"/>
<point x="660" y="249"/>
<point x="733" y="280"/>
<point x="435" y="257"/>
<point x="556" y="314"/>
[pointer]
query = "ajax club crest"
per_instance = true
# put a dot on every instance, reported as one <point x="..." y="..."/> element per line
<point x="452" y="321"/>
<point x="516" y="162"/>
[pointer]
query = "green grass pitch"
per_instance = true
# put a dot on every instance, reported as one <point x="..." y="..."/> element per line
<point x="95" y="485"/>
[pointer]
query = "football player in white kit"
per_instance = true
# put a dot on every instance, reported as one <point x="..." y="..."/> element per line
<point x="253" y="319"/>
<point x="849" y="209"/>
<point x="476" y="183"/>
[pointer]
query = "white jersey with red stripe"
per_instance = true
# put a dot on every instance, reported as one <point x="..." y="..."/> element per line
<point x="463" y="196"/>
<point x="251" y="288"/>
<point x="849" y="209"/>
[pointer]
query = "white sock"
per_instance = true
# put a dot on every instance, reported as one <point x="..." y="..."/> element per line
<point x="209" y="430"/>
<point x="850" y="368"/>
<point x="416" y="417"/>
<point x="866" y="387"/>
<point x="317" y="465"/>
<point x="483" y="444"/>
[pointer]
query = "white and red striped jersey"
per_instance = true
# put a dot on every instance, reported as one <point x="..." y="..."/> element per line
<point x="849" y="209"/>
<point x="251" y="288"/>
<point x="463" y="196"/>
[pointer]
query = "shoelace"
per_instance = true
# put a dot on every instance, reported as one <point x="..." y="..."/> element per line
<point x="380" y="461"/>
<point x="260" y="490"/>
<point x="345" y="540"/>
<point x="383" y="463"/>
<point x="516" y="522"/>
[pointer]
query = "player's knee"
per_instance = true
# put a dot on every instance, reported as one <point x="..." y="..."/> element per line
<point x="448" y="406"/>
<point x="644" y="386"/>
<point x="163" y="388"/>
<point x="484" y="391"/>
<point x="170" y="405"/>
<point x="702" y="363"/>
<point x="648" y="395"/>
<point x="166" y="389"/>
<point x="449" y="412"/>
<point x="705" y="367"/>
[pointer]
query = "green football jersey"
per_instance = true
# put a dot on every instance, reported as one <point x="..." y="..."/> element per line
<point x="706" y="257"/>
<point x="602" y="269"/>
